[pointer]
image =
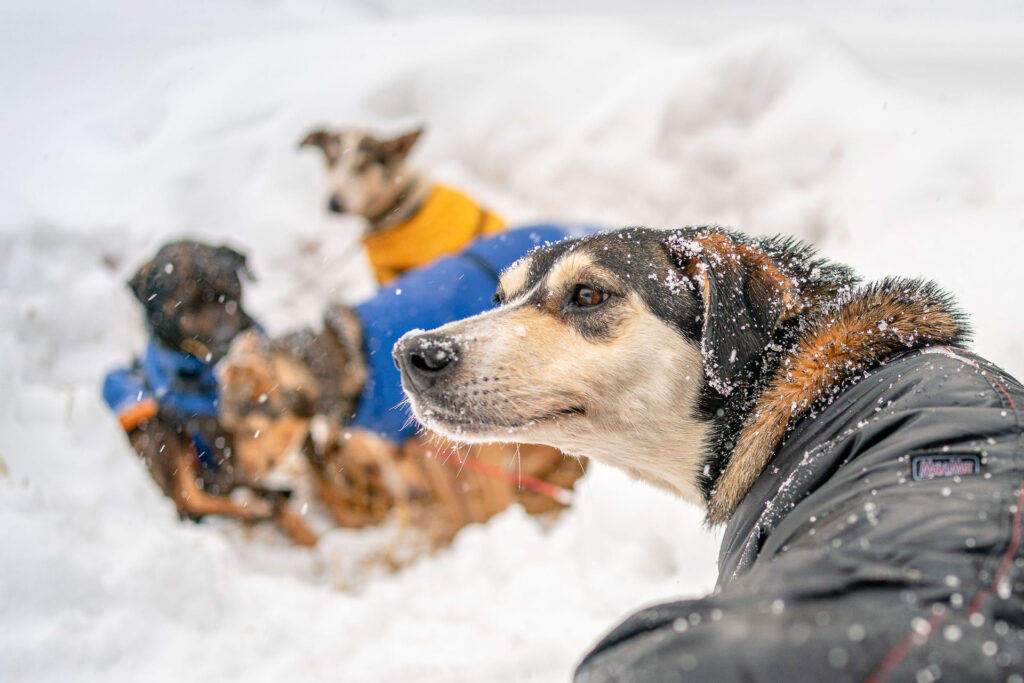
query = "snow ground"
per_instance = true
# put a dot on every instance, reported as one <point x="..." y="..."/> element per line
<point x="889" y="137"/>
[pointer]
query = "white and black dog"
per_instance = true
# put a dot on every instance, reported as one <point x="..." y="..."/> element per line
<point x="870" y="471"/>
<point x="411" y="219"/>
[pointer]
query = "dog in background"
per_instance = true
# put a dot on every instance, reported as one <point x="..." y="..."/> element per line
<point x="167" y="400"/>
<point x="299" y="392"/>
<point x="870" y="473"/>
<point x="412" y="220"/>
<point x="334" y="393"/>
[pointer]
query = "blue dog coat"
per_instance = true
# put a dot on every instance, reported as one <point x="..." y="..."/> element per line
<point x="448" y="289"/>
<point x="176" y="382"/>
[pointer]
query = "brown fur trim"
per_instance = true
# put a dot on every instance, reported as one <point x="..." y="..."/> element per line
<point x="860" y="331"/>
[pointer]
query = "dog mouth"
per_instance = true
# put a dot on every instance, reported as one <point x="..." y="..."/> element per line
<point x="572" y="410"/>
<point x="475" y="424"/>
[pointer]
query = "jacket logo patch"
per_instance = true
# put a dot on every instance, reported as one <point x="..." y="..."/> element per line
<point x="938" y="466"/>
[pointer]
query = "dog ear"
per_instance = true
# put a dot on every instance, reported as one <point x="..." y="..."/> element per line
<point x="745" y="295"/>
<point x="398" y="148"/>
<point x="138" y="282"/>
<point x="238" y="260"/>
<point x="346" y="327"/>
<point x="318" y="138"/>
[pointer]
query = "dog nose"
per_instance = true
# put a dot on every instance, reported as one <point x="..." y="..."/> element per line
<point x="425" y="359"/>
<point x="336" y="205"/>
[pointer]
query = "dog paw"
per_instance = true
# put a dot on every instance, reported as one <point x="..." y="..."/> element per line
<point x="258" y="509"/>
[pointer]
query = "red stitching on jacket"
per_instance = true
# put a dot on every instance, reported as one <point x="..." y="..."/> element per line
<point x="900" y="649"/>
<point x="913" y="639"/>
<point x="1004" y="567"/>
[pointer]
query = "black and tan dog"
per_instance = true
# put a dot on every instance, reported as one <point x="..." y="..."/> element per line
<point x="412" y="220"/>
<point x="167" y="400"/>
<point x="870" y="473"/>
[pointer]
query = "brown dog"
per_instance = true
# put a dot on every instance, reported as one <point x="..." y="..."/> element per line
<point x="411" y="220"/>
<point x="298" y="391"/>
<point x="167" y="400"/>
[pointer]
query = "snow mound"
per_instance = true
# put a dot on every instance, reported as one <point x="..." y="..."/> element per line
<point x="125" y="127"/>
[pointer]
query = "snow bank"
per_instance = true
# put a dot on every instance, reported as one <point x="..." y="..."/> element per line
<point x="125" y="126"/>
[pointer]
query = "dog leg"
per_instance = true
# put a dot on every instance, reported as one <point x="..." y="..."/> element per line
<point x="486" y="496"/>
<point x="350" y="477"/>
<point x="194" y="502"/>
<point x="550" y="465"/>
<point x="295" y="528"/>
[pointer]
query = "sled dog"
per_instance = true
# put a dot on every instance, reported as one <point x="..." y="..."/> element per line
<point x="411" y="219"/>
<point x="868" y="470"/>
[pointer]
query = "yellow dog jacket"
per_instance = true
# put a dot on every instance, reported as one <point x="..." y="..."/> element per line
<point x="444" y="223"/>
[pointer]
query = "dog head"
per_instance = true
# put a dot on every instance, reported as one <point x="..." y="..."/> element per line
<point x="366" y="175"/>
<point x="192" y="297"/>
<point x="270" y="389"/>
<point x="267" y="398"/>
<point x="617" y="346"/>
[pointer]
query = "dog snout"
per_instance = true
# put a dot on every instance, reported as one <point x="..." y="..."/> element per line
<point x="336" y="204"/>
<point x="425" y="359"/>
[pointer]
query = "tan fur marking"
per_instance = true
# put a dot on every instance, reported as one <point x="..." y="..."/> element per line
<point x="567" y="269"/>
<point x="262" y="443"/>
<point x="839" y="346"/>
<point x="514" y="278"/>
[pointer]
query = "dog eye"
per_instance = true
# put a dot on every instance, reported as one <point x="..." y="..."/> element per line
<point x="586" y="296"/>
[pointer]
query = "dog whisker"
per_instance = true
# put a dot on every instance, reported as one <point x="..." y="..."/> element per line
<point x="519" y="465"/>
<point x="462" y="463"/>
<point x="452" y="450"/>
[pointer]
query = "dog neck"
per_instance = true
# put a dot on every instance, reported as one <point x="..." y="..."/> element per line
<point x="818" y="352"/>
<point x="400" y="206"/>
<point x="670" y="459"/>
<point x="322" y="372"/>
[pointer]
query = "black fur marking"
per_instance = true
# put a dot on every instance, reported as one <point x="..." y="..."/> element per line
<point x="732" y="412"/>
<point x="641" y="264"/>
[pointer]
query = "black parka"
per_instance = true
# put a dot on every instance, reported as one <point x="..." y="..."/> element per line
<point x="882" y="542"/>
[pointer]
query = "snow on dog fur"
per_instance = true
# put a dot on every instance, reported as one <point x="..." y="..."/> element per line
<point x="600" y="351"/>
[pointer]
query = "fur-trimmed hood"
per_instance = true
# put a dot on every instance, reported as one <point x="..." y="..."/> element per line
<point x="796" y="330"/>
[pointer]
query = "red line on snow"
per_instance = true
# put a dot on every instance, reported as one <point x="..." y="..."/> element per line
<point x="545" y="488"/>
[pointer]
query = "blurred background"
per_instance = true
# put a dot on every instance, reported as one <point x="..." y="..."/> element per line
<point x="886" y="132"/>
